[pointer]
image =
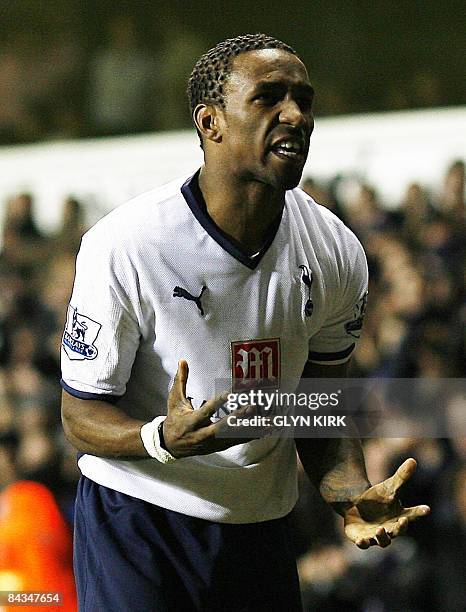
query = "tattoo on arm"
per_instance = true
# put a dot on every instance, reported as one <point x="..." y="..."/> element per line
<point x="335" y="466"/>
<point x="337" y="469"/>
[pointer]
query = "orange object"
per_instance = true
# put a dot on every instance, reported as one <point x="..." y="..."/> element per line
<point x="35" y="546"/>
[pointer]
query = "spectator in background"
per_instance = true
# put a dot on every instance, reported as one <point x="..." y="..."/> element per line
<point x="20" y="217"/>
<point x="23" y="257"/>
<point x="8" y="434"/>
<point x="364" y="213"/>
<point x="416" y="210"/>
<point x="452" y="197"/>
<point x="69" y="234"/>
<point x="54" y="295"/>
<point x="322" y="195"/>
<point x="23" y="242"/>
<point x="115" y="107"/>
<point x="36" y="453"/>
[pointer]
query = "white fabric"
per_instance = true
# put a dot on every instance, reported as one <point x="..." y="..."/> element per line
<point x="151" y="439"/>
<point x="135" y="331"/>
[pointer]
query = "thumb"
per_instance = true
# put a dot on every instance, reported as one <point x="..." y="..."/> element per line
<point x="403" y="473"/>
<point x="178" y="390"/>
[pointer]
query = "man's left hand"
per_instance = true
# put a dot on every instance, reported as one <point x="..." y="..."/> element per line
<point x="378" y="516"/>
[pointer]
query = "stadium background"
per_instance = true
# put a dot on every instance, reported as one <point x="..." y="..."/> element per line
<point x="92" y="95"/>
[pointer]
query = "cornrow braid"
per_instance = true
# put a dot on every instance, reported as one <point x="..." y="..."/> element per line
<point x="208" y="77"/>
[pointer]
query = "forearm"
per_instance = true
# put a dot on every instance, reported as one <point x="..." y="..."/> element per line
<point x="335" y="466"/>
<point x="337" y="469"/>
<point x="102" y="429"/>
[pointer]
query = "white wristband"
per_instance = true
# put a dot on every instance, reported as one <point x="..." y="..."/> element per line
<point x="151" y="440"/>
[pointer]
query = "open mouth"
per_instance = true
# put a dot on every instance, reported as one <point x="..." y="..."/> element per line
<point x="289" y="149"/>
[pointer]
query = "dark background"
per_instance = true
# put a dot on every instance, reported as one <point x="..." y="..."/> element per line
<point x="362" y="56"/>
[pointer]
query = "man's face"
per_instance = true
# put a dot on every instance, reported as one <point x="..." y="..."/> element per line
<point x="267" y="118"/>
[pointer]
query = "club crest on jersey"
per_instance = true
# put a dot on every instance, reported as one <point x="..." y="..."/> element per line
<point x="353" y="328"/>
<point x="79" y="336"/>
<point x="255" y="364"/>
<point x="306" y="278"/>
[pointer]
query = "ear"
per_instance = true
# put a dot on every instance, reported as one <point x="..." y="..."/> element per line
<point x="207" y="120"/>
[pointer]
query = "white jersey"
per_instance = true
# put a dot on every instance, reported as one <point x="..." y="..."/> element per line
<point x="157" y="281"/>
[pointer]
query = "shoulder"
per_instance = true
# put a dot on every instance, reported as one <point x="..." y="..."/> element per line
<point x="334" y="238"/>
<point x="138" y="219"/>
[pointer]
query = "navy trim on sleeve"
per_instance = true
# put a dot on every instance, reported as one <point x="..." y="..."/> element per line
<point x="112" y="399"/>
<point x="314" y="356"/>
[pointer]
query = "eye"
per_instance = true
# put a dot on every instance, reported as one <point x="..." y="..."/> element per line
<point x="305" y="103"/>
<point x="268" y="98"/>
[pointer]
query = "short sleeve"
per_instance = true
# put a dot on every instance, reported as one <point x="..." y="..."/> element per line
<point x="335" y="341"/>
<point x="102" y="333"/>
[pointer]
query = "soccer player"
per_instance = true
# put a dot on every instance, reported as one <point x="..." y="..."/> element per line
<point x="241" y="275"/>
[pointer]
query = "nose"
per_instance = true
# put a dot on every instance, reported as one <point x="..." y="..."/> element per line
<point x="292" y="114"/>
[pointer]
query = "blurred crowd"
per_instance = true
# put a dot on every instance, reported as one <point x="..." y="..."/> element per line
<point x="414" y="328"/>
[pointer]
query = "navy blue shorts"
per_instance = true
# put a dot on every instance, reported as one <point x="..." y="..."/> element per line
<point x="130" y="555"/>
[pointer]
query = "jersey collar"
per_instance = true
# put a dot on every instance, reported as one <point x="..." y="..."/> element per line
<point x="195" y="200"/>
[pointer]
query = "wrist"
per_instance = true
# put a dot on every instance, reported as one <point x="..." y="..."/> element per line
<point x="161" y="436"/>
<point x="345" y="499"/>
<point x="357" y="492"/>
<point x="153" y="441"/>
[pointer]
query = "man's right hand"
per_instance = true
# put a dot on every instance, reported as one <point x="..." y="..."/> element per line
<point x="189" y="432"/>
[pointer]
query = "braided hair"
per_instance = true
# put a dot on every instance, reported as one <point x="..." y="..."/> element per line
<point x="208" y="77"/>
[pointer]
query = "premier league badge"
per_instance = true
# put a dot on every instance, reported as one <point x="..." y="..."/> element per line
<point x="79" y="336"/>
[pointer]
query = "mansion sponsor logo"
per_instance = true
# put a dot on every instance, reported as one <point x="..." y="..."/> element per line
<point x="255" y="364"/>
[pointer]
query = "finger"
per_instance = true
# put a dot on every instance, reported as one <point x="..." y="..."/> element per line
<point x="416" y="512"/>
<point x="181" y="378"/>
<point x="363" y="543"/>
<point x="245" y="411"/>
<point x="403" y="473"/>
<point x="400" y="527"/>
<point x="177" y="399"/>
<point x="210" y="407"/>
<point x="382" y="538"/>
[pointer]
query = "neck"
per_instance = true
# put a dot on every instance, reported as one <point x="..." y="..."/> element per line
<point x="244" y="210"/>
